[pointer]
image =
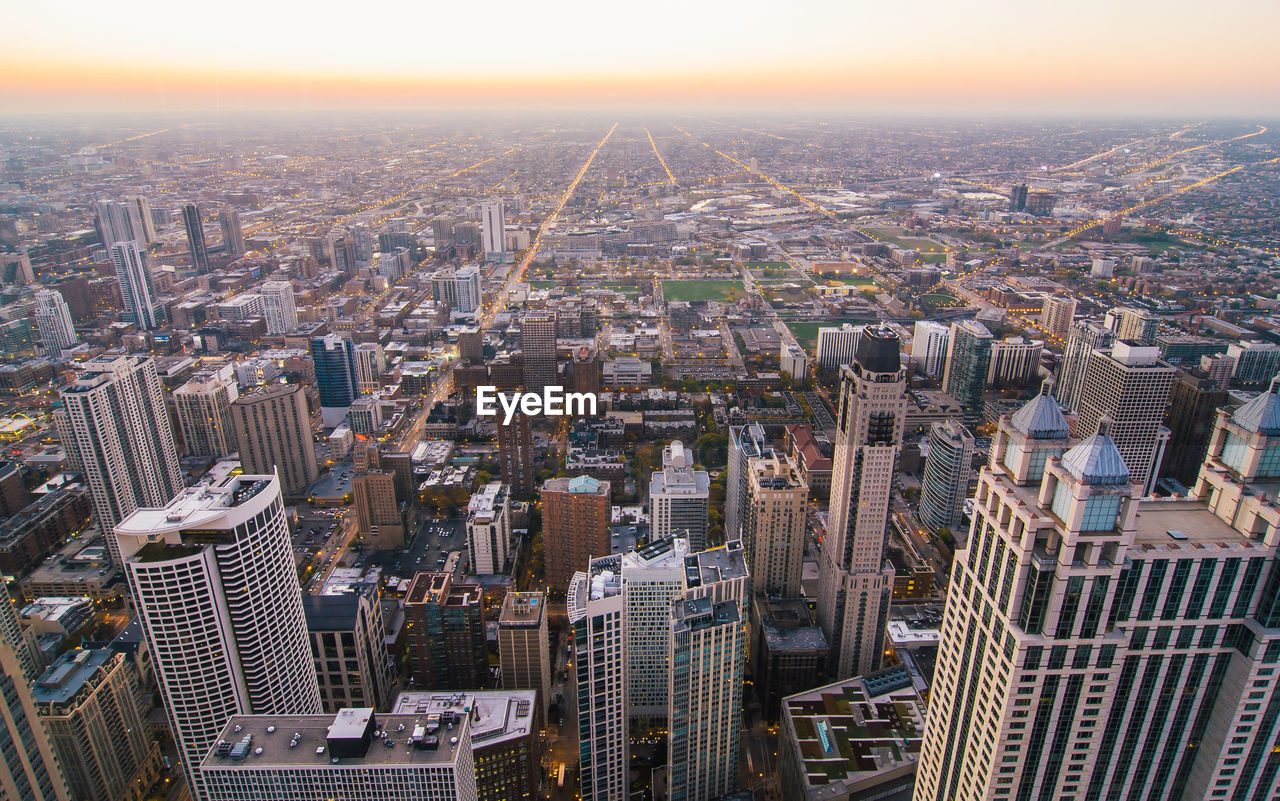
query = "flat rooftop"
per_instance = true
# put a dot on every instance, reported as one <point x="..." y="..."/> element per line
<point x="717" y="564"/>
<point x="205" y="502"/>
<point x="496" y="717"/>
<point x="522" y="608"/>
<point x="1197" y="525"/>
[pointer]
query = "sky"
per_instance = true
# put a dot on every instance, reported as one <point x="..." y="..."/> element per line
<point x="981" y="56"/>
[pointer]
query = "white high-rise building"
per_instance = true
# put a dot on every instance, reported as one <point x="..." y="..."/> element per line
<point x="745" y="443"/>
<point x="1098" y="645"/>
<point x="595" y="608"/>
<point x="1132" y="386"/>
<point x="1057" y="315"/>
<point x="947" y="470"/>
<point x="653" y="577"/>
<point x="1135" y="325"/>
<point x="143" y="205"/>
<point x="467" y="289"/>
<point x="204" y="413"/>
<point x="122" y="440"/>
<point x="836" y="345"/>
<point x="371" y="363"/>
<point x="1014" y="361"/>
<point x="213" y="577"/>
<point x="53" y="321"/>
<point x="773" y="531"/>
<point x="679" y="497"/>
<point x="855" y="579"/>
<point x="489" y="529"/>
<point x="278" y="307"/>
<point x="121" y="222"/>
<point x="929" y="347"/>
<point x="494" y="220"/>
<point x="135" y="285"/>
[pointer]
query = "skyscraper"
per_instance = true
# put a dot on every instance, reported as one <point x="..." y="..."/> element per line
<point x="467" y="289"/>
<point x="1193" y="408"/>
<point x="494" y="220"/>
<point x="1130" y="385"/>
<point x="1135" y="325"/>
<point x="1254" y="362"/>
<point x="232" y="235"/>
<point x="195" y="238"/>
<point x="30" y="769"/>
<point x="348" y="641"/>
<point x="929" y="347"/>
<point x="524" y="650"/>
<point x="379" y="523"/>
<point x="273" y="432"/>
<point x="278" y="306"/>
<point x="836" y="345"/>
<point x="1084" y="338"/>
<point x="53" y="321"/>
<point x="204" y="413"/>
<point x="595" y="608"/>
<point x="515" y="454"/>
<point x="1015" y="362"/>
<point x="538" y="347"/>
<point x="120" y="222"/>
<point x="947" y="469"/>
<point x="371" y="362"/>
<point x="135" y="285"/>
<point x="121" y="436"/>
<point x="1099" y="645"/>
<point x="774" y="528"/>
<point x="1058" y="314"/>
<point x="213" y="577"/>
<point x="968" y="359"/>
<point x="446" y="648"/>
<point x="489" y="529"/>
<point x="855" y="581"/>
<point x="336" y="377"/>
<point x="442" y="231"/>
<point x="679" y="497"/>
<point x="144" y="216"/>
<point x="575" y="525"/>
<point x="745" y="443"/>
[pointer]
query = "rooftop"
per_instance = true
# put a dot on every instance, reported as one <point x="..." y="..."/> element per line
<point x="496" y="717"/>
<point x="716" y="564"/>
<point x="201" y="505"/>
<point x="1194" y="526"/>
<point x="66" y="677"/>
<point x="522" y="608"/>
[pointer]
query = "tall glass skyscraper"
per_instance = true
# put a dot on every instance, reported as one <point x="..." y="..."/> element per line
<point x="337" y="379"/>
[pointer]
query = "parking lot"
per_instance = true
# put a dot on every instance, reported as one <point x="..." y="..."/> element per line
<point x="434" y="539"/>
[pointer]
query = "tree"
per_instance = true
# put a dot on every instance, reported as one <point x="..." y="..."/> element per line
<point x="712" y="450"/>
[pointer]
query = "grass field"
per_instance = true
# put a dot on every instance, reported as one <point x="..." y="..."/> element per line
<point x="941" y="300"/>
<point x="543" y="284"/>
<point x="848" y="280"/>
<point x="766" y="265"/>
<point x="897" y="237"/>
<point x="806" y="334"/>
<point x="701" y="290"/>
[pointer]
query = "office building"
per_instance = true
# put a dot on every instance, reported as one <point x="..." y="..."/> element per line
<point x="1015" y="362"/>
<point x="679" y="497"/>
<point x="146" y="216"/>
<point x="204" y="413"/>
<point x="444" y="287"/>
<point x="855" y="580"/>
<point x="467" y="290"/>
<point x="336" y="377"/>
<point x="446" y="648"/>
<point x="929" y="347"/>
<point x="825" y="754"/>
<point x="1132" y="325"/>
<point x="1098" y="644"/>
<point x="1130" y="385"/>
<point x="789" y="653"/>
<point x="836" y="345"/>
<point x="213" y="577"/>
<point x="1057" y="315"/>
<point x="232" y="234"/>
<point x="88" y="702"/>
<point x="1193" y="408"/>
<point x="53" y="321"/>
<point x="774" y="528"/>
<point x="442" y="231"/>
<point x="1254" y="363"/>
<point x="140" y="307"/>
<point x="494" y="222"/>
<point x="489" y="529"/>
<point x="947" y="470"/>
<point x="745" y="443"/>
<point x="515" y="455"/>
<point x="595" y="608"/>
<point x="538" y="348"/>
<point x="356" y="754"/>
<point x="278" y="307"/>
<point x="575" y="526"/>
<point x="13" y="489"/>
<point x="371" y="363"/>
<point x="122" y="440"/>
<point x="273" y="432"/>
<point x="348" y="641"/>
<point x="708" y="659"/>
<point x="968" y="361"/>
<point x="120" y="222"/>
<point x="194" y="225"/>
<point x="524" y="650"/>
<point x="1085" y="337"/>
<point x="1018" y="197"/>
<point x="379" y="523"/>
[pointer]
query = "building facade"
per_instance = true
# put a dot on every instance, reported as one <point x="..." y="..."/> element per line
<point x="575" y="524"/>
<point x="273" y="432"/>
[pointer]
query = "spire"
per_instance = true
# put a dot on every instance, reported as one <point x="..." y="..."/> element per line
<point x="1041" y="417"/>
<point x="1097" y="460"/>
<point x="1262" y="414"/>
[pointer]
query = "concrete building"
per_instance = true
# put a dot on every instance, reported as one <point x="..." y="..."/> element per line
<point x="493" y="220"/>
<point x="855" y="580"/>
<point x="774" y="529"/>
<point x="929" y="347"/>
<point x="575" y="524"/>
<point x="947" y="470"/>
<point x="88" y="702"/>
<point x="467" y="290"/>
<point x="30" y="770"/>
<point x="595" y="607"/>
<point x="524" y="650"/>
<point x="1132" y="325"/>
<point x="1193" y="408"/>
<point x="380" y="525"/>
<point x="1057" y="315"/>
<point x="121" y="437"/>
<point x="1084" y="338"/>
<point x="836" y="345"/>
<point x="789" y="653"/>
<point x="348" y="641"/>
<point x="371" y="363"/>
<point x="232" y="233"/>
<point x="968" y="362"/>
<point x="679" y="497"/>
<point x="136" y="291"/>
<point x="745" y="443"/>
<point x="538" y="349"/>
<point x="204" y="413"/>
<point x="446" y="647"/>
<point x="515" y="454"/>
<point x="793" y="362"/>
<point x="1254" y="363"/>
<point x="199" y="250"/>
<point x="1015" y="362"/>
<point x="278" y="307"/>
<point x="214" y="580"/>
<point x="489" y="529"/>
<point x="273" y="432"/>
<point x="53" y="322"/>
